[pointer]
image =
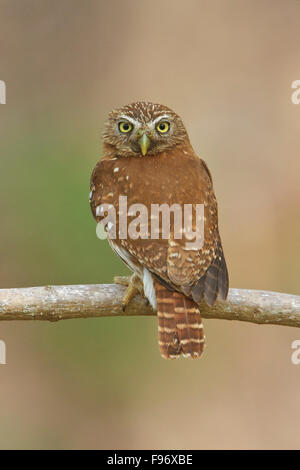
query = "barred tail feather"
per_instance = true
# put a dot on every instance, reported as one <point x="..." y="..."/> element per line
<point x="180" y="329"/>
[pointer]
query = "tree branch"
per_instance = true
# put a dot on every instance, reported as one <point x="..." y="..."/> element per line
<point x="55" y="303"/>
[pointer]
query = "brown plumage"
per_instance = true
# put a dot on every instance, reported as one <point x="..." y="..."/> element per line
<point x="153" y="167"/>
<point x="180" y="328"/>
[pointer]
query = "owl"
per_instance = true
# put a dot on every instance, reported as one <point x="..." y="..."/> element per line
<point x="148" y="161"/>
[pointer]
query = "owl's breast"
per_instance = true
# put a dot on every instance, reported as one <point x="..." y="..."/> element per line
<point x="158" y="179"/>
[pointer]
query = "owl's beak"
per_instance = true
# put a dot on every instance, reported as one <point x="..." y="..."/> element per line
<point x="144" y="143"/>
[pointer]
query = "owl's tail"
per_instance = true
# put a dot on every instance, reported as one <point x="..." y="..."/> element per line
<point x="180" y="329"/>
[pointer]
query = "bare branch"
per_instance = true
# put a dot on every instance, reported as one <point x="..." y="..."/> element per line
<point x="55" y="303"/>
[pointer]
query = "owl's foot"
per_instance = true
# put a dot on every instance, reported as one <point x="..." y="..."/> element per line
<point x="122" y="280"/>
<point x="134" y="287"/>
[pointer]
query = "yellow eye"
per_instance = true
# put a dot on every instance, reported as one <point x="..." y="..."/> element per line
<point x="125" y="126"/>
<point x="163" y="127"/>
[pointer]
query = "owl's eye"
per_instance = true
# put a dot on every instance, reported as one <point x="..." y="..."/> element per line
<point x="163" y="127"/>
<point x="125" y="126"/>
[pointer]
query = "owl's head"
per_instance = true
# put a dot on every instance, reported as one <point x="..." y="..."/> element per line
<point x="140" y="129"/>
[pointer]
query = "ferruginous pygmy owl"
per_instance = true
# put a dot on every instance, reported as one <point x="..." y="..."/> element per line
<point x="149" y="159"/>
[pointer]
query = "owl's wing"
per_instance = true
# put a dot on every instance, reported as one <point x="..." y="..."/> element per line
<point x="197" y="281"/>
<point x="201" y="274"/>
<point x="98" y="184"/>
<point x="104" y="190"/>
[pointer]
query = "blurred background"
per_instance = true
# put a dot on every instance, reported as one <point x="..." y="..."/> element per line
<point x="226" y="67"/>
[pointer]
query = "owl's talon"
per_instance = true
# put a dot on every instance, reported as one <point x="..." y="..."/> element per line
<point x="134" y="287"/>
